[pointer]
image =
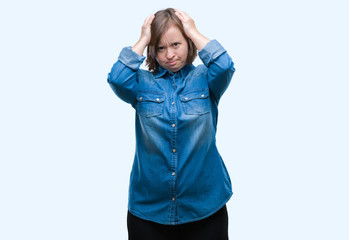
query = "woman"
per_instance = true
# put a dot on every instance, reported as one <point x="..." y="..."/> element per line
<point x="179" y="184"/>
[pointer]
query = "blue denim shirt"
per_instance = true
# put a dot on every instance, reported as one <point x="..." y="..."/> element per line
<point x="178" y="175"/>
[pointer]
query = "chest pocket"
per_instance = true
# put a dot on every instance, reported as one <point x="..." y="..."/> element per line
<point x="196" y="102"/>
<point x="150" y="104"/>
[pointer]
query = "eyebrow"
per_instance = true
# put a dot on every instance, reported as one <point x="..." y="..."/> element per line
<point x="171" y="43"/>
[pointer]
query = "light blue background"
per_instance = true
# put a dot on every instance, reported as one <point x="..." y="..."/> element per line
<point x="67" y="142"/>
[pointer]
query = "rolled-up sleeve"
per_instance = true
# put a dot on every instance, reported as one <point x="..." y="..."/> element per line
<point x="220" y="67"/>
<point x="123" y="75"/>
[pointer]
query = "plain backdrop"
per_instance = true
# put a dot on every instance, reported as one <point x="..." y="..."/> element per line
<point x="67" y="142"/>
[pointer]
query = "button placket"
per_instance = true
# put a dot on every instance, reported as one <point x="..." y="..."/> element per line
<point x="173" y="128"/>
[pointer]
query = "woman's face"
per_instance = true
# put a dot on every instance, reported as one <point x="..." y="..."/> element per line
<point x="172" y="50"/>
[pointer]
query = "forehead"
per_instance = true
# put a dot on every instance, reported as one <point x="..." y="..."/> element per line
<point x="172" y="34"/>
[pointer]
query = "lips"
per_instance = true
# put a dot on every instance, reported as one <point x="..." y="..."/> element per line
<point x="172" y="63"/>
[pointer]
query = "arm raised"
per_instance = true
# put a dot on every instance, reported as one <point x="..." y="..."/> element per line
<point x="190" y="29"/>
<point x="145" y="36"/>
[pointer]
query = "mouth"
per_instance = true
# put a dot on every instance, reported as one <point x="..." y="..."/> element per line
<point x="171" y="63"/>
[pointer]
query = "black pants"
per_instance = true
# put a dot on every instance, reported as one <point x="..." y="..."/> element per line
<point x="214" y="227"/>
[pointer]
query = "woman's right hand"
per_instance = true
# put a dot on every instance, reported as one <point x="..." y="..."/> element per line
<point x="145" y="36"/>
<point x="146" y="32"/>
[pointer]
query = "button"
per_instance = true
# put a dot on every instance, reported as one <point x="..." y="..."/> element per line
<point x="173" y="125"/>
<point x="141" y="98"/>
<point x="202" y="95"/>
<point x="173" y="199"/>
<point x="174" y="150"/>
<point x="172" y="103"/>
<point x="186" y="98"/>
<point x="173" y="173"/>
<point x="157" y="99"/>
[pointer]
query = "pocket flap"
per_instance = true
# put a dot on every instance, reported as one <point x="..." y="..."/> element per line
<point x="194" y="95"/>
<point x="151" y="97"/>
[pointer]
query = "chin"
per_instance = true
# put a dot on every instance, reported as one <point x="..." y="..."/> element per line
<point x="175" y="69"/>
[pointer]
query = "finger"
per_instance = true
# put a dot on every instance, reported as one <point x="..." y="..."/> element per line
<point x="149" y="19"/>
<point x="180" y="16"/>
<point x="181" y="13"/>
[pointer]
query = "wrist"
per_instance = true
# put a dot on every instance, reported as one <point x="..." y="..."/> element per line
<point x="143" y="41"/>
<point x="140" y="46"/>
<point x="198" y="39"/>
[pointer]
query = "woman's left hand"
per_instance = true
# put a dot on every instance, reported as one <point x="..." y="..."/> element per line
<point x="187" y="21"/>
<point x="190" y="29"/>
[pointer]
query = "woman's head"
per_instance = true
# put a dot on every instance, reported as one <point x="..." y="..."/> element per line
<point x="169" y="47"/>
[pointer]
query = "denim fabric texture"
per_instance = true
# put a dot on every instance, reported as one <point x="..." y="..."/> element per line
<point x="178" y="175"/>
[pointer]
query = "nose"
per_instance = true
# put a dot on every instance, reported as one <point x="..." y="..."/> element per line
<point x="170" y="53"/>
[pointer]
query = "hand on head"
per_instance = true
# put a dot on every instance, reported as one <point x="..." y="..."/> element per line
<point x="190" y="29"/>
<point x="187" y="21"/>
<point x="145" y="36"/>
<point x="146" y="28"/>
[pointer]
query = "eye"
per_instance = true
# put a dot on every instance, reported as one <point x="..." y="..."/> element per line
<point x="175" y="44"/>
<point x="160" y="49"/>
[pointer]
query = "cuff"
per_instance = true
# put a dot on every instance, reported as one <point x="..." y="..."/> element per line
<point x="130" y="58"/>
<point x="211" y="52"/>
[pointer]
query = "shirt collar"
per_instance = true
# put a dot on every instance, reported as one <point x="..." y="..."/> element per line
<point x="183" y="72"/>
